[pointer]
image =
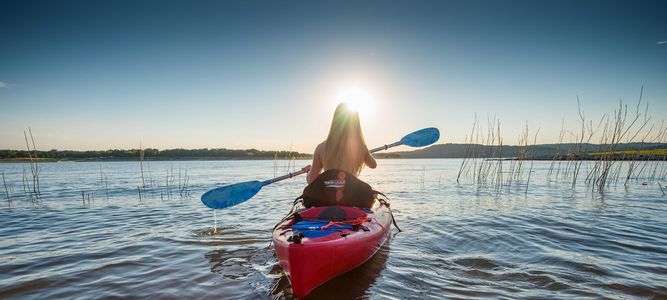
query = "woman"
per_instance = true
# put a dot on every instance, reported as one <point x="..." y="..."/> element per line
<point x="344" y="148"/>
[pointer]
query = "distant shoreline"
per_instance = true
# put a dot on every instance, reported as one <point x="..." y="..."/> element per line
<point x="49" y="160"/>
<point x="308" y="158"/>
<point x="547" y="152"/>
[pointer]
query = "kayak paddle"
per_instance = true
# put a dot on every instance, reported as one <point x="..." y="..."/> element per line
<point x="234" y="194"/>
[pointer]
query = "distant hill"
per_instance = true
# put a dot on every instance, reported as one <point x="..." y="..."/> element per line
<point x="542" y="151"/>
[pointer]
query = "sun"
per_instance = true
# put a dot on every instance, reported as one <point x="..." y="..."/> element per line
<point x="358" y="98"/>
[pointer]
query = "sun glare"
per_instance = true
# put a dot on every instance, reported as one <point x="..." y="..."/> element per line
<point x="357" y="98"/>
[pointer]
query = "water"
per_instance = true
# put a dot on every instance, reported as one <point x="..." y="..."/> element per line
<point x="459" y="241"/>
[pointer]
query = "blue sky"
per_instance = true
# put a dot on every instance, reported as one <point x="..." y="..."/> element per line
<point x="267" y="75"/>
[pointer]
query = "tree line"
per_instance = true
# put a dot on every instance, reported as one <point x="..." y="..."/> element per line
<point x="150" y="154"/>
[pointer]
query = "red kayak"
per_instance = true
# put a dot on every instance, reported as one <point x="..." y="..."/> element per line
<point x="320" y="243"/>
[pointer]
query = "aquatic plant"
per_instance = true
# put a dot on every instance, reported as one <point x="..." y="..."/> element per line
<point x="615" y="132"/>
<point x="9" y="197"/>
<point x="141" y="165"/>
<point x="183" y="185"/>
<point x="34" y="167"/>
<point x="87" y="198"/>
<point x="104" y="183"/>
<point x="557" y="152"/>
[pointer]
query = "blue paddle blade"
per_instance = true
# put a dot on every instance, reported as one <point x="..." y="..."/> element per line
<point x="421" y="138"/>
<point x="231" y="195"/>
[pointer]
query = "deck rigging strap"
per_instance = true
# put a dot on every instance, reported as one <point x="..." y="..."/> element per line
<point x="385" y="201"/>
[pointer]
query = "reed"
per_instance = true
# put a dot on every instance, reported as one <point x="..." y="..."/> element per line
<point x="475" y="150"/>
<point x="106" y="187"/>
<point x="87" y="198"/>
<point x="422" y="177"/>
<point x="530" y="171"/>
<point x="516" y="164"/>
<point x="499" y="175"/>
<point x="611" y="163"/>
<point x="493" y="138"/>
<point x="104" y="183"/>
<point x="275" y="164"/>
<point x="24" y="181"/>
<point x="151" y="182"/>
<point x="141" y="165"/>
<point x="659" y="138"/>
<point x="171" y="181"/>
<point x="183" y="190"/>
<point x="557" y="153"/>
<point x="482" y="148"/>
<point x="635" y="161"/>
<point x="34" y="166"/>
<point x="636" y="156"/>
<point x="168" y="180"/>
<point x="586" y="134"/>
<point x="465" y="160"/>
<point x="615" y="130"/>
<point x="9" y="197"/>
<point x="482" y="171"/>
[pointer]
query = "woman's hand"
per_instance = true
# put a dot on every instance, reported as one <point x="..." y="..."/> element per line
<point x="306" y="168"/>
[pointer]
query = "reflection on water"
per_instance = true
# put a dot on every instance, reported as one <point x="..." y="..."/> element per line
<point x="459" y="240"/>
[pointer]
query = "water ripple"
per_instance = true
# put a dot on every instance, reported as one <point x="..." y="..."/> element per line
<point x="459" y="240"/>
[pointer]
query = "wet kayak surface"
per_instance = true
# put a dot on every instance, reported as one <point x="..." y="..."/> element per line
<point x="91" y="235"/>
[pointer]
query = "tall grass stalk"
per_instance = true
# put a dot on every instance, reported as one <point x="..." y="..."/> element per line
<point x="34" y="166"/>
<point x="104" y="183"/>
<point x="9" y="197"/>
<point x="141" y="165"/>
<point x="530" y="171"/>
<point x="468" y="150"/>
<point x="24" y="181"/>
<point x="609" y="164"/>
<point x="557" y="152"/>
<point x="615" y="131"/>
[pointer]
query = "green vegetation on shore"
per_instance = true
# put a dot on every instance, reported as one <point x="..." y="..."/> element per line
<point x="149" y="154"/>
<point x="653" y="152"/>
<point x="538" y="152"/>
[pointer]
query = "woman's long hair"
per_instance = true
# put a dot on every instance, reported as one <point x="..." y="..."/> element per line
<point x="345" y="146"/>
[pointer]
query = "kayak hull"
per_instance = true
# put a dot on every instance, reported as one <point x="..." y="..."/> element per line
<point x="314" y="261"/>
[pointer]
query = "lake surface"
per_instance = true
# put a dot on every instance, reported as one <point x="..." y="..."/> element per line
<point x="458" y="240"/>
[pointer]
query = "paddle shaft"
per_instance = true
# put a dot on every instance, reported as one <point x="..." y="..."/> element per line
<point x="290" y="175"/>
<point x="385" y="147"/>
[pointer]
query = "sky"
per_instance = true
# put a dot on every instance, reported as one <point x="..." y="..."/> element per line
<point x="91" y="75"/>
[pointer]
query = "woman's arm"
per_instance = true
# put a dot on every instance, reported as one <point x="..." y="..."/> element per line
<point x="316" y="166"/>
<point x="370" y="161"/>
